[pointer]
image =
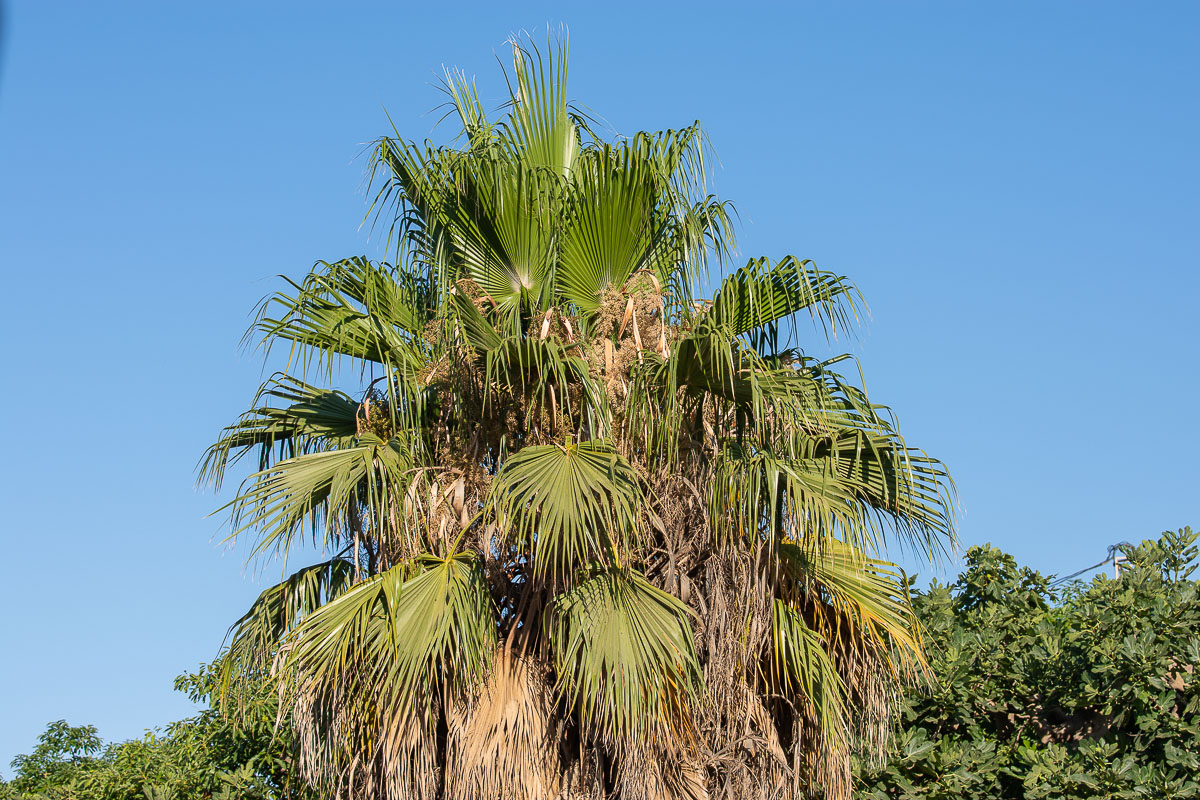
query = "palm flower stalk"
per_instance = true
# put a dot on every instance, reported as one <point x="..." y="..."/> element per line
<point x="591" y="535"/>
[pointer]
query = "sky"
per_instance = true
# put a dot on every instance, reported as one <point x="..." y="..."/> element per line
<point x="1013" y="186"/>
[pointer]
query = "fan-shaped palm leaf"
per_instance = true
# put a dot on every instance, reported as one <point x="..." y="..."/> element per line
<point x="502" y="230"/>
<point x="352" y="309"/>
<point x="420" y="624"/>
<point x="761" y="293"/>
<point x="612" y="227"/>
<point x="568" y="505"/>
<point x="313" y="419"/>
<point x="321" y="489"/>
<point x="804" y="670"/>
<point x="255" y="638"/>
<point x="625" y="656"/>
<point x="868" y="594"/>
<point x="540" y="128"/>
<point x="388" y="651"/>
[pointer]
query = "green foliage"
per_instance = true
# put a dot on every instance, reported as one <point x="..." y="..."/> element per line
<point x="205" y="756"/>
<point x="617" y="624"/>
<point x="1088" y="692"/>
<point x="62" y="752"/>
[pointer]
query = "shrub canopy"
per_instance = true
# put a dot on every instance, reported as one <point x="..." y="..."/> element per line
<point x="1084" y="691"/>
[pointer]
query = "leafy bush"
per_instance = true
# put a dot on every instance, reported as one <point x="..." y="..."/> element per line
<point x="1085" y="692"/>
<point x="205" y="756"/>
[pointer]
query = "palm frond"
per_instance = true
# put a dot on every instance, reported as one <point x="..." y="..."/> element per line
<point x="373" y="667"/>
<point x="312" y="419"/>
<point x="803" y="669"/>
<point x="254" y="640"/>
<point x="502" y="229"/>
<point x="321" y="491"/>
<point x="911" y="494"/>
<point x="760" y="495"/>
<point x="552" y="384"/>
<point x="539" y="125"/>
<point x="867" y="595"/>
<point x="625" y="656"/>
<point x="611" y="230"/>
<point x="761" y="293"/>
<point x="568" y="505"/>
<point x="423" y="623"/>
<point x="353" y="309"/>
<point x="465" y="104"/>
<point x="475" y="328"/>
<point x="866" y="491"/>
<point x="416" y="182"/>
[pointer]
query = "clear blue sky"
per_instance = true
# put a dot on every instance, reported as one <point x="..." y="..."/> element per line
<point x="1014" y="186"/>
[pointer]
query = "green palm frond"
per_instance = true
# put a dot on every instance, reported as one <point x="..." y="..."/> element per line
<point x="826" y="417"/>
<point x="863" y="490"/>
<point x="760" y="495"/>
<point x="706" y="230"/>
<point x="762" y="293"/>
<point x="625" y="656"/>
<point x="867" y="595"/>
<point x="422" y="624"/>
<point x="910" y="494"/>
<point x="367" y="675"/>
<point x="548" y="376"/>
<point x="611" y="230"/>
<point x="353" y="309"/>
<point x="321" y="491"/>
<point x="802" y="669"/>
<point x="540" y="127"/>
<point x="254" y="640"/>
<point x="698" y="224"/>
<point x="810" y="393"/>
<point x="569" y="505"/>
<point x="713" y="362"/>
<point x="313" y="419"/>
<point x="502" y="230"/>
<point x="705" y="367"/>
<point x="417" y="184"/>
<point x="465" y="104"/>
<point x="475" y="328"/>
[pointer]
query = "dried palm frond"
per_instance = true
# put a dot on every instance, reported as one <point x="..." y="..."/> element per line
<point x="502" y="740"/>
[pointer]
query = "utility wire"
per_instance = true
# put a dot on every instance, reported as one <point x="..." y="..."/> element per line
<point x="1112" y="548"/>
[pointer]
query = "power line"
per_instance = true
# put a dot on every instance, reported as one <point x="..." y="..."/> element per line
<point x="1112" y="548"/>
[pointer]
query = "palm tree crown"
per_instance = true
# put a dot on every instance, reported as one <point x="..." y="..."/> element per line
<point x="592" y="535"/>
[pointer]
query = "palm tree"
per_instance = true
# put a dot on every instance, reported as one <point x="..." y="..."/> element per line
<point x="591" y="535"/>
